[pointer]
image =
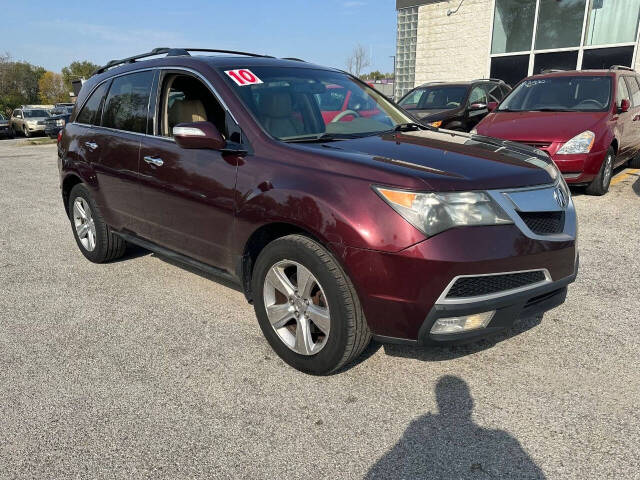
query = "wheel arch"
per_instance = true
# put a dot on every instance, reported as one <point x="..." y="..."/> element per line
<point x="68" y="183"/>
<point x="259" y="239"/>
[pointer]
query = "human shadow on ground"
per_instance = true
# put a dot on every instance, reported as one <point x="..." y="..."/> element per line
<point x="449" y="445"/>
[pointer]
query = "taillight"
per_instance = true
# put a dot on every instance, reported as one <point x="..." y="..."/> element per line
<point x="59" y="136"/>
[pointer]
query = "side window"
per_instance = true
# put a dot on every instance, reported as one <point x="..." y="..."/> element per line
<point x="413" y="99"/>
<point x="127" y="104"/>
<point x="634" y="90"/>
<point x="623" y="92"/>
<point x="186" y="99"/>
<point x="90" y="113"/>
<point x="493" y="92"/>
<point x="477" y="95"/>
<point x="17" y="113"/>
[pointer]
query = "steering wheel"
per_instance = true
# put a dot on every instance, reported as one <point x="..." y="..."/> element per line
<point x="341" y="115"/>
<point x="453" y="104"/>
<point x="592" y="101"/>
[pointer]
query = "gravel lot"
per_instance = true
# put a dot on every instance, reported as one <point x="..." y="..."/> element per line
<point x="143" y="369"/>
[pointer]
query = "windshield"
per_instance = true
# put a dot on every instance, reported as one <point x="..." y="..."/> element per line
<point x="61" y="111"/>
<point x="434" y="98"/>
<point x="303" y="103"/>
<point x="35" y="113"/>
<point x="560" y="94"/>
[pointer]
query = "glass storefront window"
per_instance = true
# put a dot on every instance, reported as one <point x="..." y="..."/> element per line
<point x="612" y="21"/>
<point x="555" y="60"/>
<point x="510" y="69"/>
<point x="513" y="25"/>
<point x="596" y="58"/>
<point x="559" y="24"/>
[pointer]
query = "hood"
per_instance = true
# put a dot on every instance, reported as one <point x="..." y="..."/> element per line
<point x="4" y="122"/>
<point x="446" y="161"/>
<point x="538" y="126"/>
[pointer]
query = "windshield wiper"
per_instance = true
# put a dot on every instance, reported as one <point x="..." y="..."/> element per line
<point x="411" y="126"/>
<point x="325" y="137"/>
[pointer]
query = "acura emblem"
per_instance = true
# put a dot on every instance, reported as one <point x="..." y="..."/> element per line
<point x="561" y="197"/>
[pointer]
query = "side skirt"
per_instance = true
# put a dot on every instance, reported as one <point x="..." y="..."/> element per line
<point x="182" y="259"/>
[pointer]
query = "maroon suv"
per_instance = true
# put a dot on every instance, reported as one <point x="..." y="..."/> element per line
<point x="336" y="228"/>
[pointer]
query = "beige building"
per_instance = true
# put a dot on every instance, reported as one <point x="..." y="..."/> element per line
<point x="446" y="40"/>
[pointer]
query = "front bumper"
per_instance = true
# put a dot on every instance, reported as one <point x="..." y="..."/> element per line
<point x="36" y="128"/>
<point x="4" y="130"/>
<point x="579" y="168"/>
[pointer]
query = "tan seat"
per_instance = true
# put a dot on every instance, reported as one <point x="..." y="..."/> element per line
<point x="187" y="111"/>
<point x="276" y="110"/>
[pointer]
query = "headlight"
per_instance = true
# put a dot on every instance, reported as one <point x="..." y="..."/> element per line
<point x="60" y="123"/>
<point x="581" y="143"/>
<point x="432" y="213"/>
<point x="474" y="131"/>
<point x="436" y="124"/>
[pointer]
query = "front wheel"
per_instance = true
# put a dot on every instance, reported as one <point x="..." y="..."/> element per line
<point x="600" y="184"/>
<point x="25" y="130"/>
<point x="307" y="307"/>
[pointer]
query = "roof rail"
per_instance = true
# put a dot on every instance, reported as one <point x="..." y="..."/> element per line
<point x="552" y="70"/>
<point x="170" y="52"/>
<point x="490" y="79"/>
<point x="621" y="67"/>
<point x="294" y="59"/>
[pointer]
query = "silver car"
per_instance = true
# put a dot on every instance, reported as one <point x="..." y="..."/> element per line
<point x="29" y="120"/>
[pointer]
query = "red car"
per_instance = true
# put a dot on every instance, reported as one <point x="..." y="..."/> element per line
<point x="587" y="121"/>
<point x="336" y="232"/>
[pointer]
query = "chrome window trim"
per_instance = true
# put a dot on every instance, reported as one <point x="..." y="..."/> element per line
<point x="158" y="68"/>
<point x="443" y="300"/>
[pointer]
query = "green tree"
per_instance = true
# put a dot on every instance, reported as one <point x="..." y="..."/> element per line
<point x="18" y="83"/>
<point x="77" y="69"/>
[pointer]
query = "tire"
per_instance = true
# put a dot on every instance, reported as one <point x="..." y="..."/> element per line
<point x="600" y="184"/>
<point x="331" y="293"/>
<point x="25" y="131"/>
<point x="106" y="246"/>
<point x="635" y="161"/>
<point x="12" y="134"/>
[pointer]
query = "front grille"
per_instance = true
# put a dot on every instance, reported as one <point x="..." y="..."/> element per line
<point x="541" y="145"/>
<point x="543" y="223"/>
<point x="488" y="284"/>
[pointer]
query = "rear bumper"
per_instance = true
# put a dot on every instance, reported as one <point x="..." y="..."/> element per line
<point x="579" y="168"/>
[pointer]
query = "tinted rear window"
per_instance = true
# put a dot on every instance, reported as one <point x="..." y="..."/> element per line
<point x="90" y="113"/>
<point x="127" y="104"/>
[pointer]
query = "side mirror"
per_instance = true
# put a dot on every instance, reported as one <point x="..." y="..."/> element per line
<point x="199" y="135"/>
<point x="478" y="106"/>
<point x="491" y="106"/>
<point x="625" y="105"/>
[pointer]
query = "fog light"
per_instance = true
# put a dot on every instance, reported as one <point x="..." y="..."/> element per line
<point x="462" y="324"/>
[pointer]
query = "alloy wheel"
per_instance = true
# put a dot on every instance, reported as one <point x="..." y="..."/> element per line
<point x="84" y="224"/>
<point x="297" y="307"/>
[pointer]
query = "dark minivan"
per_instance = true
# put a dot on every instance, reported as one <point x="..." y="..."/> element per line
<point x="337" y="229"/>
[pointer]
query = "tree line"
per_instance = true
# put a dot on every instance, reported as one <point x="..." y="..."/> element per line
<point x="359" y="60"/>
<point x="22" y="83"/>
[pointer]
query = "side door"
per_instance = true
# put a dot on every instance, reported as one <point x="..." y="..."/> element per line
<point x="633" y="83"/>
<point x="188" y="194"/>
<point x="476" y="106"/>
<point x="623" y="120"/>
<point x="117" y="140"/>
<point x="17" y="120"/>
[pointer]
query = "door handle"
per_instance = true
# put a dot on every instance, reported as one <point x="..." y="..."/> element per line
<point x="154" y="161"/>
<point x="91" y="145"/>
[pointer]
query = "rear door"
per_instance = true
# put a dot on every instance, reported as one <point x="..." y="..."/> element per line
<point x="123" y="126"/>
<point x="188" y="194"/>
<point x="624" y="120"/>
<point x="634" y="138"/>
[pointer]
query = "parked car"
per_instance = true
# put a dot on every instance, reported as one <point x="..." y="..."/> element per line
<point x="58" y="119"/>
<point x="585" y="120"/>
<point x="456" y="105"/>
<point x="5" y="131"/>
<point x="28" y="121"/>
<point x="335" y="230"/>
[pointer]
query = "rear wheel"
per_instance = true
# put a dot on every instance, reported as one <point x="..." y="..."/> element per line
<point x="600" y="184"/>
<point x="95" y="239"/>
<point x="635" y="161"/>
<point x="307" y="307"/>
